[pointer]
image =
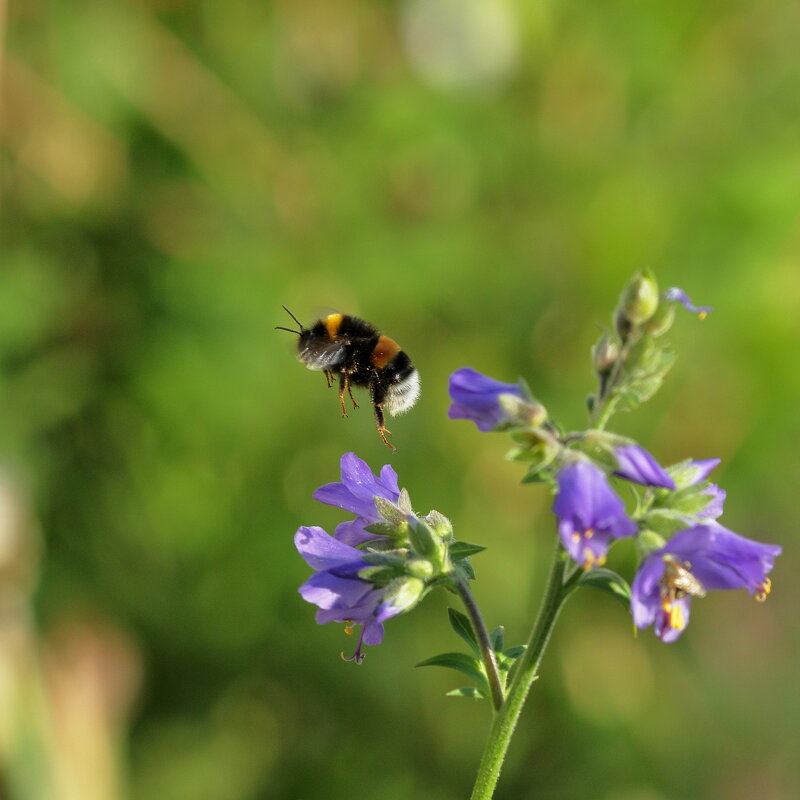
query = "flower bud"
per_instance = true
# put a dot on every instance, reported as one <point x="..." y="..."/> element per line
<point x="648" y="542"/>
<point x="402" y="594"/>
<point x="661" y="321"/>
<point x="524" y="412"/>
<point x="639" y="299"/>
<point x="425" y="542"/>
<point x="605" y="354"/>
<point x="420" y="568"/>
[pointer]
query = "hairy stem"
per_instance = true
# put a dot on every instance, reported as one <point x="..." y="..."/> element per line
<point x="526" y="672"/>
<point x="485" y="644"/>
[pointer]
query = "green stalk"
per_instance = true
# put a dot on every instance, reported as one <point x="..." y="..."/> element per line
<point x="484" y="643"/>
<point x="506" y="719"/>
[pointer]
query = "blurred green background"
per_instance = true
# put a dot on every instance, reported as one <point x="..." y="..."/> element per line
<point x="478" y="178"/>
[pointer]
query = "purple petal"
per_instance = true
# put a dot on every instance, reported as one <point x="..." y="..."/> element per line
<point x="677" y="295"/>
<point x="714" y="506"/>
<point x="475" y="398"/>
<point x="339" y="495"/>
<point x="352" y="532"/>
<point x="635" y="464"/>
<point x="373" y="633"/>
<point x="668" y="627"/>
<point x="322" y="551"/>
<point x="646" y="591"/>
<point x="703" y="469"/>
<point x="327" y="591"/>
<point x="358" y="614"/>
<point x="590" y="514"/>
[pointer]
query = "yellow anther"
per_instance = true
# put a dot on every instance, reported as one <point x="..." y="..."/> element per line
<point x="348" y="627"/>
<point x="588" y="533"/>
<point x="576" y="537"/>
<point x="702" y="314"/>
<point x="591" y="560"/>
<point x="676" y="620"/>
<point x="764" y="590"/>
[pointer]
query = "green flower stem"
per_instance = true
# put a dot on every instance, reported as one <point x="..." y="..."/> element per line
<point x="607" y="402"/>
<point x="485" y="644"/>
<point x="526" y="672"/>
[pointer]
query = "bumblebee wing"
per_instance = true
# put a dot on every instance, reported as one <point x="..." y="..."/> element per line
<point x="317" y="354"/>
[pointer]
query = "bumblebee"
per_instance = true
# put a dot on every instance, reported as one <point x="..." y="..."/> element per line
<point x="360" y="355"/>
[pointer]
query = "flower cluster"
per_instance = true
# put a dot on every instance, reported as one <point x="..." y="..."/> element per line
<point x="692" y="553"/>
<point x="378" y="565"/>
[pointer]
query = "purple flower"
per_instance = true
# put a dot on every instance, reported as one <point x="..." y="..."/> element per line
<point x="677" y="295"/>
<point x="356" y="492"/>
<point x="635" y="464"/>
<point x="476" y="397"/>
<point x="339" y="592"/>
<point x="590" y="514"/>
<point x="694" y="561"/>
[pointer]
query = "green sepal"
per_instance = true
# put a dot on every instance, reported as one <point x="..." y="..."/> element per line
<point x="440" y="525"/>
<point x="461" y="625"/>
<point x="665" y="521"/>
<point x="389" y="511"/>
<point x="459" y="550"/>
<point x="465" y="569"/>
<point x="645" y="368"/>
<point x="467" y="691"/>
<point x="404" y="502"/>
<point x="608" y="581"/>
<point x="424" y="540"/>
<point x="460" y="662"/>
<point x="381" y="528"/>
<point x="648" y="542"/>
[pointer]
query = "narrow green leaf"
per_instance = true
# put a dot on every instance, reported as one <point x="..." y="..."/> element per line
<point x="496" y="638"/>
<point x="608" y="581"/>
<point x="462" y="663"/>
<point x="467" y="691"/>
<point x="461" y="625"/>
<point x="459" y="550"/>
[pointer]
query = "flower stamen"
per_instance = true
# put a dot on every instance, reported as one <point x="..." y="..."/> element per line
<point x="591" y="560"/>
<point x="348" y="627"/>
<point x="763" y="590"/>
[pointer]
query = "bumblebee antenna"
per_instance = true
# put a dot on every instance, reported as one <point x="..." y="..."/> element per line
<point x="290" y="330"/>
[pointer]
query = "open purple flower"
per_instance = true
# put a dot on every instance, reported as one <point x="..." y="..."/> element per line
<point x="635" y="464"/>
<point x="590" y="514"/>
<point x="356" y="492"/>
<point x="476" y="397"/>
<point x="693" y="562"/>
<point x="677" y="295"/>
<point x="340" y="593"/>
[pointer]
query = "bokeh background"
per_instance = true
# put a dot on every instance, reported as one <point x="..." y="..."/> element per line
<point x="479" y="178"/>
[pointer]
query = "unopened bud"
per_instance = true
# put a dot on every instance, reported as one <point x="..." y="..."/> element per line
<point x="639" y="299"/>
<point x="648" y="542"/>
<point x="402" y="594"/>
<point x="524" y="412"/>
<point x="605" y="354"/>
<point x="662" y="320"/>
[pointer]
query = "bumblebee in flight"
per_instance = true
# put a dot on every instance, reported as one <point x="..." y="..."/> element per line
<point x="360" y="355"/>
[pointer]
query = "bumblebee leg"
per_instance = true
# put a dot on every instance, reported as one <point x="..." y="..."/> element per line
<point x="328" y="377"/>
<point x="350" y="392"/>
<point x="382" y="431"/>
<point x="344" y="385"/>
